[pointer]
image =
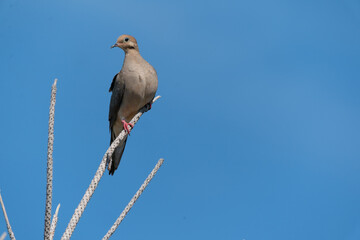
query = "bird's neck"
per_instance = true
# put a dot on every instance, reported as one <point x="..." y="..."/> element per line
<point x="132" y="56"/>
<point x="132" y="52"/>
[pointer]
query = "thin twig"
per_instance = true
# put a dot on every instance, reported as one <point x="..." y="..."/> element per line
<point x="49" y="172"/>
<point x="2" y="237"/>
<point x="53" y="223"/>
<point x="95" y="181"/>
<point x="11" y="234"/>
<point x="133" y="200"/>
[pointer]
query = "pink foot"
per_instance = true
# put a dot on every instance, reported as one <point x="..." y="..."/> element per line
<point x="126" y="126"/>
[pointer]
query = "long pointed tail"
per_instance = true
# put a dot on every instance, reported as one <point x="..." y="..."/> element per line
<point x="116" y="157"/>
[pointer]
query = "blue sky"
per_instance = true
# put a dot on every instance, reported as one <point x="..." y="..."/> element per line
<point x="258" y="121"/>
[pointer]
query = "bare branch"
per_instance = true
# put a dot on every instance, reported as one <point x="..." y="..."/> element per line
<point x="49" y="172"/>
<point x="2" y="237"/>
<point x="133" y="200"/>
<point x="95" y="181"/>
<point x="11" y="234"/>
<point x="53" y="223"/>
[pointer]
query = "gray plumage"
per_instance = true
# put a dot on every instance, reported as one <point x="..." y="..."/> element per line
<point x="132" y="88"/>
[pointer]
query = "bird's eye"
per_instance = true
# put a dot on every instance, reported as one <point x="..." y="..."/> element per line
<point x="126" y="39"/>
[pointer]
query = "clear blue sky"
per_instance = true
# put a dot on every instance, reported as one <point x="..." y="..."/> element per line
<point x="258" y="121"/>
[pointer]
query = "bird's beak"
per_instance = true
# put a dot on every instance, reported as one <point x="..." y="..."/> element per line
<point x="115" y="45"/>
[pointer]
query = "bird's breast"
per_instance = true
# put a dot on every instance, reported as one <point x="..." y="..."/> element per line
<point x="134" y="96"/>
<point x="140" y="87"/>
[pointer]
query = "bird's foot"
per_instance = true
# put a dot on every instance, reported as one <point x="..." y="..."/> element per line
<point x="126" y="126"/>
<point x="148" y="106"/>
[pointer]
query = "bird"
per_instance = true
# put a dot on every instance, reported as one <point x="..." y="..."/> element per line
<point x="132" y="88"/>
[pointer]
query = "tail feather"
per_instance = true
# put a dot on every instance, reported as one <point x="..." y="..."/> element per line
<point x="116" y="156"/>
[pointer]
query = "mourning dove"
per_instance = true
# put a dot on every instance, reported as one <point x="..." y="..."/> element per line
<point x="132" y="88"/>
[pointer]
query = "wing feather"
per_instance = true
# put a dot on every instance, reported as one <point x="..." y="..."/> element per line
<point x="117" y="88"/>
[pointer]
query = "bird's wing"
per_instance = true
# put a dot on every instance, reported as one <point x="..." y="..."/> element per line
<point x="113" y="83"/>
<point x="117" y="88"/>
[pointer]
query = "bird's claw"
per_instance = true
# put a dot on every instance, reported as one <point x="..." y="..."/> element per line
<point x="126" y="126"/>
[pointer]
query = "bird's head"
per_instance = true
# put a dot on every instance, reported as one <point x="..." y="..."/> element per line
<point x="126" y="42"/>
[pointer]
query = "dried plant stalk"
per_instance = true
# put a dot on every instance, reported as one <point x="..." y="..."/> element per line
<point x="11" y="234"/>
<point x="133" y="200"/>
<point x="49" y="172"/>
<point x="54" y="222"/>
<point x="99" y="173"/>
<point x="2" y="237"/>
